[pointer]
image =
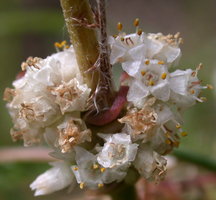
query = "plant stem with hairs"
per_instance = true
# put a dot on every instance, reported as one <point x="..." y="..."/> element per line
<point x="80" y="22"/>
<point x="92" y="56"/>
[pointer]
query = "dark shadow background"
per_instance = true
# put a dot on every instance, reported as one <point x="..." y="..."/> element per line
<point x="30" y="28"/>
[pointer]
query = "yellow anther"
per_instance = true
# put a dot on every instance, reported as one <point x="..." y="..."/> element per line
<point x="203" y="99"/>
<point x="122" y="39"/>
<point x="75" y="168"/>
<point x="139" y="31"/>
<point x="136" y="22"/>
<point x="151" y="83"/>
<point x="95" y="166"/>
<point x="178" y="126"/>
<point x="161" y="62"/>
<point x="168" y="141"/>
<point x="176" y="144"/>
<point x="67" y="46"/>
<point x="119" y="26"/>
<point x="115" y="36"/>
<point x="183" y="134"/>
<point x="100" y="185"/>
<point x="103" y="169"/>
<point x="147" y="62"/>
<point x="167" y="134"/>
<point x="81" y="185"/>
<point x="58" y="45"/>
<point x="192" y="91"/>
<point x="163" y="76"/>
<point x="209" y="86"/>
<point x="143" y="72"/>
<point x="63" y="43"/>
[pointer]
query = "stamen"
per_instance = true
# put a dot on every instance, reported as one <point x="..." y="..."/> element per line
<point x="139" y="31"/>
<point x="161" y="62"/>
<point x="122" y="39"/>
<point x="178" y="126"/>
<point x="203" y="99"/>
<point x="176" y="36"/>
<point x="167" y="134"/>
<point x="75" y="168"/>
<point x="63" y="43"/>
<point x="192" y="91"/>
<point x="193" y="74"/>
<point x="147" y="62"/>
<point x="183" y="134"/>
<point x="209" y="86"/>
<point x="168" y="141"/>
<point x="58" y="45"/>
<point x="163" y="76"/>
<point x="103" y="169"/>
<point x="100" y="185"/>
<point x="95" y="166"/>
<point x="136" y="22"/>
<point x="176" y="144"/>
<point x="151" y="83"/>
<point x="143" y="72"/>
<point x="81" y="185"/>
<point x="119" y="26"/>
<point x="199" y="67"/>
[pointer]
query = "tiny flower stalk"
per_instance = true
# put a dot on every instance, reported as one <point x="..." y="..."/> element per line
<point x="80" y="24"/>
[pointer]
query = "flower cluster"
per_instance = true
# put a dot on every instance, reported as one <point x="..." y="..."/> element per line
<point x="50" y="96"/>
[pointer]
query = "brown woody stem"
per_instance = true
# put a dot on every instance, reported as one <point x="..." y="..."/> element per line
<point x="105" y="84"/>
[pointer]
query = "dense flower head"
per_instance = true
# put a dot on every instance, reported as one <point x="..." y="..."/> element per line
<point x="50" y="98"/>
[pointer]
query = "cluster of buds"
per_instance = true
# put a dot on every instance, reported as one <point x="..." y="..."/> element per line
<point x="49" y="100"/>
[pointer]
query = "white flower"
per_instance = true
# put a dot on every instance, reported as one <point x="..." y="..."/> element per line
<point x="150" y="164"/>
<point x="118" y="150"/>
<point x="140" y="124"/>
<point x="49" y="88"/>
<point x="168" y="132"/>
<point x="150" y="77"/>
<point x="127" y="47"/>
<point x="72" y="131"/>
<point x="138" y="47"/>
<point x="58" y="177"/>
<point x="164" y="48"/>
<point x="65" y="135"/>
<point x="71" y="96"/>
<point x="185" y="87"/>
<point x="90" y="174"/>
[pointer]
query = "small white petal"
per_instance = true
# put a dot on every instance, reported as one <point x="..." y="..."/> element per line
<point x="54" y="179"/>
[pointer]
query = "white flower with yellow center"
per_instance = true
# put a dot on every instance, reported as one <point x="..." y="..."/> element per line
<point x="139" y="46"/>
<point x="186" y="87"/>
<point x="89" y="173"/>
<point x="118" y="150"/>
<point x="164" y="47"/>
<point x="127" y="47"/>
<point x="150" y="77"/>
